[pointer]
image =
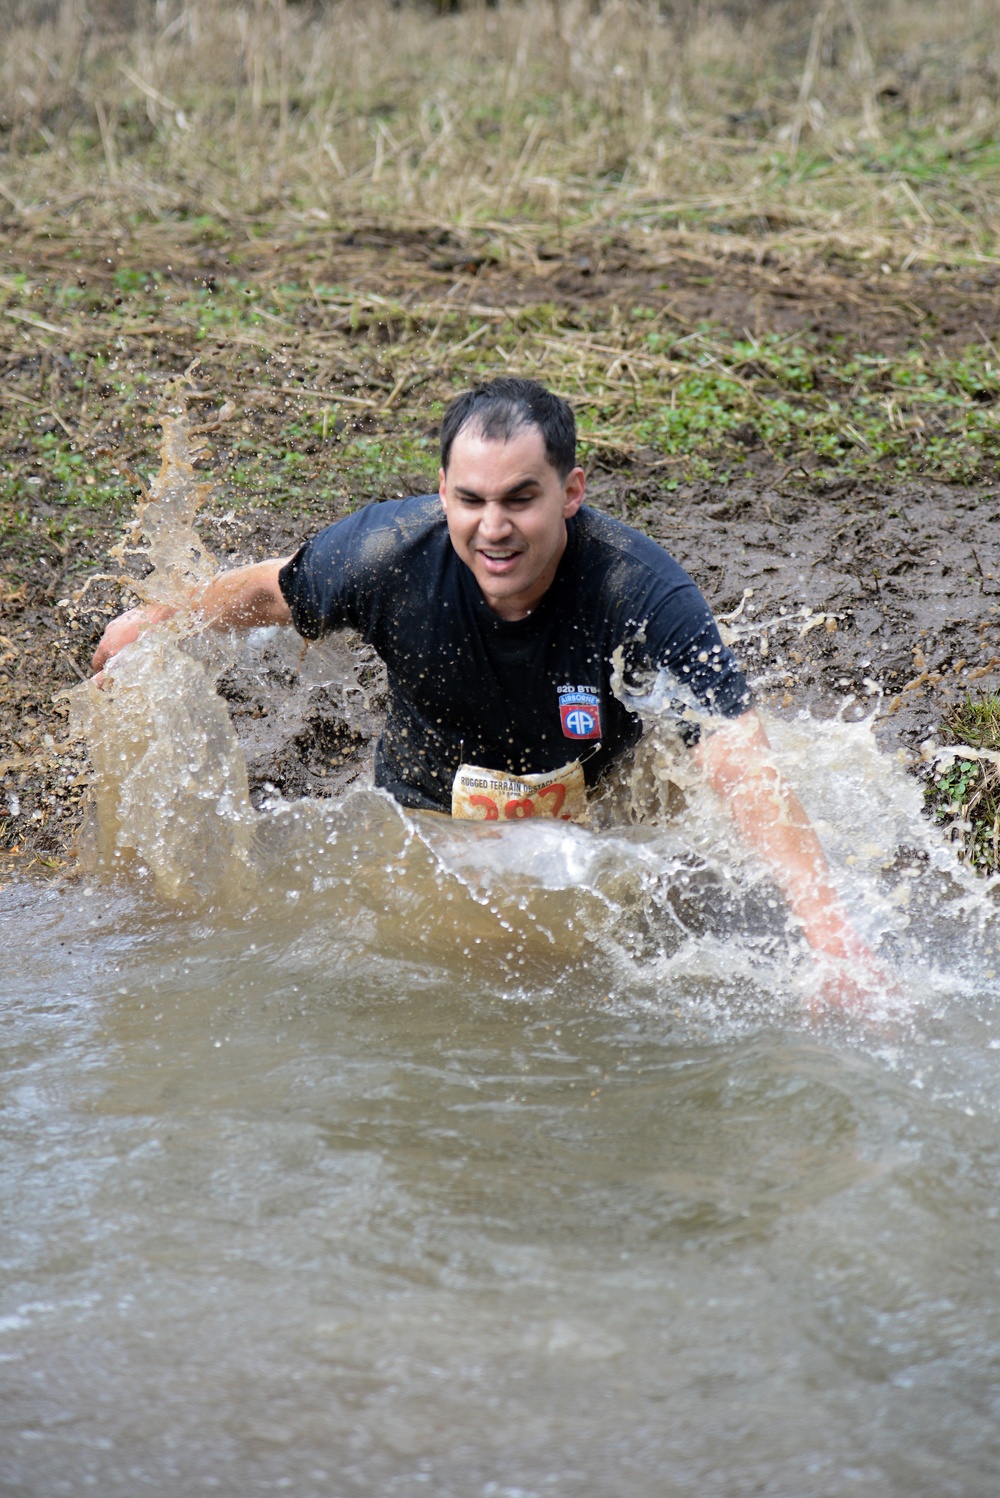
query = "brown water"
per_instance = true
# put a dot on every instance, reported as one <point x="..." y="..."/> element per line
<point x="383" y="1155"/>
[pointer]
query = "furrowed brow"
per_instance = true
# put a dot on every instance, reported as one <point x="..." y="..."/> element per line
<point x="511" y="493"/>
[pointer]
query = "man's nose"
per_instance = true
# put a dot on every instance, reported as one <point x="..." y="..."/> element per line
<point x="495" y="522"/>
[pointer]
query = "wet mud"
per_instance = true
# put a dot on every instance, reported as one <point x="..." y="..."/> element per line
<point x="905" y="583"/>
<point x="301" y="738"/>
<point x="839" y="594"/>
<point x="742" y="280"/>
<point x="853" y="602"/>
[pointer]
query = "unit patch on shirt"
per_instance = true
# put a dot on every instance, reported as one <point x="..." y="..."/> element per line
<point x="580" y="712"/>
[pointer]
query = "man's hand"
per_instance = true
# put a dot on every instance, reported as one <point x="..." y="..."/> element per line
<point x="859" y="985"/>
<point x="737" y="764"/>
<point x="126" y="628"/>
<point x="848" y="973"/>
<point x="244" y="598"/>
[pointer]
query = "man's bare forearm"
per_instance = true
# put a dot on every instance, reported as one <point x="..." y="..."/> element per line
<point x="773" y="821"/>
<point x="243" y="598"/>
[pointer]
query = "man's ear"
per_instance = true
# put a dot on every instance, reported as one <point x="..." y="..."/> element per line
<point x="441" y="483"/>
<point x="576" y="483"/>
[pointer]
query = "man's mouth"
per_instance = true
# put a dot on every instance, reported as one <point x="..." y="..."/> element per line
<point x="497" y="558"/>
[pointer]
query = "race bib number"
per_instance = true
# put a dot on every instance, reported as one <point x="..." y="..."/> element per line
<point x="479" y="795"/>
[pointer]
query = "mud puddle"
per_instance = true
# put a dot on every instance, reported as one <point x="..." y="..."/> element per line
<point x="356" y="1146"/>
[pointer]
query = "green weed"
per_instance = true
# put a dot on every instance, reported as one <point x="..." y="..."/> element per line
<point x="966" y="795"/>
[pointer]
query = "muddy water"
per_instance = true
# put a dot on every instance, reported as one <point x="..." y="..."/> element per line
<point x="354" y="1152"/>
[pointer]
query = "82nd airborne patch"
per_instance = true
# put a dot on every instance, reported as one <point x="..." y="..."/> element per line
<point x="580" y="712"/>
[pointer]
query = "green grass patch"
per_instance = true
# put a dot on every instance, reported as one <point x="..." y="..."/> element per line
<point x="965" y="796"/>
<point x="338" y="393"/>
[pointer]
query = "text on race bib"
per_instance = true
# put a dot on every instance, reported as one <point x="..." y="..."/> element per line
<point x="479" y="795"/>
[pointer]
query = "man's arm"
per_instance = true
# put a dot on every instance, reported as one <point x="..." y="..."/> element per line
<point x="736" y="761"/>
<point x="244" y="598"/>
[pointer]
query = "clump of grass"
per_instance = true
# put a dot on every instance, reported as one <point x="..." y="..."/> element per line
<point x="966" y="795"/>
<point x="147" y="150"/>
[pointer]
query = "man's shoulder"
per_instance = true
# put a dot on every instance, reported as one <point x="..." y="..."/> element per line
<point x="415" y="516"/>
<point x="382" y="530"/>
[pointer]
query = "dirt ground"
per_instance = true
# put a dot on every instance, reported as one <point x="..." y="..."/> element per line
<point x="836" y="587"/>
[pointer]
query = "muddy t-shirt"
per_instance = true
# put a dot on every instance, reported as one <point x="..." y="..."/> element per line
<point x="521" y="696"/>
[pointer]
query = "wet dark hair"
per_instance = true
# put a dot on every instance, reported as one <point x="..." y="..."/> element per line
<point x="502" y="407"/>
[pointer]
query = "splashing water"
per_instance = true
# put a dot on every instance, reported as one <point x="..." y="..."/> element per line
<point x="179" y="560"/>
<point x="659" y="885"/>
<point x="170" y="785"/>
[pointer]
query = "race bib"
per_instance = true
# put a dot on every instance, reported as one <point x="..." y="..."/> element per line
<point x="479" y="795"/>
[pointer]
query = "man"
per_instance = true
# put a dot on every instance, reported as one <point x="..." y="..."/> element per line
<point x="501" y="608"/>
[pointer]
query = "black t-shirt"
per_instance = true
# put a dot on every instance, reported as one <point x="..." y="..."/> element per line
<point x="522" y="696"/>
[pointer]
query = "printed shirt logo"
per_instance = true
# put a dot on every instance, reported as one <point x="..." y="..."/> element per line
<point x="580" y="713"/>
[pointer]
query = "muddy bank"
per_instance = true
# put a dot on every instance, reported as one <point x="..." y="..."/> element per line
<point x="846" y="601"/>
<point x="906" y="580"/>
<point x="837" y="597"/>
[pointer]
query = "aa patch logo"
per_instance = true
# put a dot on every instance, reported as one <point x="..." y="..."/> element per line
<point x="581" y="715"/>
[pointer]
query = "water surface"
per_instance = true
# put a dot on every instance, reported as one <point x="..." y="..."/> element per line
<point x="438" y="1161"/>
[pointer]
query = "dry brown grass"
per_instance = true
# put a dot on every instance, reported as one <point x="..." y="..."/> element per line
<point x="859" y="127"/>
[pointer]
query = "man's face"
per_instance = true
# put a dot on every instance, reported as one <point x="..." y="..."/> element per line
<point x="507" y="509"/>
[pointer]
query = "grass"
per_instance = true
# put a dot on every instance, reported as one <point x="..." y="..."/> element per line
<point x="135" y="144"/>
<point x="340" y="392"/>
<point x="858" y="136"/>
<point x="851" y="128"/>
<point x="138" y="142"/>
<point x="966" y="794"/>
